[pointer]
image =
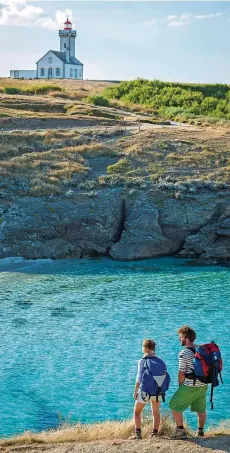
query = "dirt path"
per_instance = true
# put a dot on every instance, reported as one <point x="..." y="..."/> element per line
<point x="218" y="444"/>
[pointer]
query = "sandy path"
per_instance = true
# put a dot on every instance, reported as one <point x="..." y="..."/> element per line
<point x="218" y="444"/>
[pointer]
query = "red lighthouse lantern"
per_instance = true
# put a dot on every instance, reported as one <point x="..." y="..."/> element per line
<point x="68" y="25"/>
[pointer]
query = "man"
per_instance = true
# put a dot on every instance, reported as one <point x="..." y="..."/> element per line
<point x="191" y="392"/>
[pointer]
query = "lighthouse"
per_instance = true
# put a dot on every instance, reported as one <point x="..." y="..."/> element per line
<point x="61" y="64"/>
<point x="67" y="40"/>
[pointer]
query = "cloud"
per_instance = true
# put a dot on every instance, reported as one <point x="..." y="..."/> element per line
<point x="178" y="21"/>
<point x="149" y="22"/>
<point x="209" y="16"/>
<point x="185" y="18"/>
<point x="171" y="17"/>
<point x="20" y="13"/>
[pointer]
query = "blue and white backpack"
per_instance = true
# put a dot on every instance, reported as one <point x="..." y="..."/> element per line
<point x="155" y="379"/>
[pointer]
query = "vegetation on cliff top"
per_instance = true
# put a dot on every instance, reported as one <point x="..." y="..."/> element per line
<point x="109" y="430"/>
<point x="174" y="100"/>
<point x="43" y="163"/>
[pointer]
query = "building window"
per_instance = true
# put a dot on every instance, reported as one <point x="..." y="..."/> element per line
<point x="58" y="72"/>
<point x="50" y="72"/>
<point x="50" y="59"/>
<point x="75" y="73"/>
<point x="65" y="46"/>
<point x="42" y="72"/>
<point x="71" y="72"/>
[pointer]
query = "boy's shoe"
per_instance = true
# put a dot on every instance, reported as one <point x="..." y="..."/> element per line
<point x="180" y="434"/>
<point x="136" y="436"/>
<point x="199" y="432"/>
<point x="153" y="434"/>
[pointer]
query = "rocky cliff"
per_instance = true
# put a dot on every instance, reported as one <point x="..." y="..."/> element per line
<point x="126" y="224"/>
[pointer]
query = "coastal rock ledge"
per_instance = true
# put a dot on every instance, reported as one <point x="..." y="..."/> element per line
<point x="125" y="224"/>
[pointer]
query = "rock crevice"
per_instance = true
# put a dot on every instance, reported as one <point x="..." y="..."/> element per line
<point x="134" y="225"/>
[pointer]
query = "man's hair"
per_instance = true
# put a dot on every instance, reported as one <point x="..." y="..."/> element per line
<point x="188" y="332"/>
<point x="150" y="344"/>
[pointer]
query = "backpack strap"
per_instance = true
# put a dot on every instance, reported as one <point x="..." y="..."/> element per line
<point x="191" y="375"/>
<point x="191" y="348"/>
<point x="211" y="397"/>
<point x="221" y="379"/>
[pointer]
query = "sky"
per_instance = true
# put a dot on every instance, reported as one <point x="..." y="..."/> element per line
<point x="186" y="41"/>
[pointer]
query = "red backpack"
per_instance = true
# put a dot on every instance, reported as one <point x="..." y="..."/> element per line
<point x="208" y="365"/>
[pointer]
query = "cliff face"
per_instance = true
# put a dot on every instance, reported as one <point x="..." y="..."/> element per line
<point x="122" y="223"/>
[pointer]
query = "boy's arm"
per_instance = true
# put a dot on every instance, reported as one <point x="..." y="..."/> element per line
<point x="135" y="393"/>
<point x="138" y="378"/>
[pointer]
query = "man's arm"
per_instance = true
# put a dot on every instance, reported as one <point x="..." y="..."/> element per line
<point x="182" y="367"/>
<point x="181" y="377"/>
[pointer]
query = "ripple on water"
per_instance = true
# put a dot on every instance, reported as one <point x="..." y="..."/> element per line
<point x="71" y="335"/>
<point x="19" y="322"/>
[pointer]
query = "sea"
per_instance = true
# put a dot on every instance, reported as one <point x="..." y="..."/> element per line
<point x="71" y="333"/>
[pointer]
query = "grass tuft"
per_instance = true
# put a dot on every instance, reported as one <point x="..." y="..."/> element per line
<point x="105" y="431"/>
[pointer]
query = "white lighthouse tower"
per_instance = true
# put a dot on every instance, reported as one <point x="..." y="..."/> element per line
<point x="61" y="64"/>
<point x="67" y="40"/>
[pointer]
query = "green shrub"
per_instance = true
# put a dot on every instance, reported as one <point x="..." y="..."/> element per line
<point x="174" y="100"/>
<point x="122" y="166"/>
<point x="11" y="90"/>
<point x="98" y="100"/>
<point x="40" y="89"/>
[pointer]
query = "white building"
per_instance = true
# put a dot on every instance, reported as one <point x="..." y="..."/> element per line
<point x="23" y="74"/>
<point x="54" y="64"/>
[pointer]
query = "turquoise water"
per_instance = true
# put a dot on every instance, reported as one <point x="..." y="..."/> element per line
<point x="71" y="334"/>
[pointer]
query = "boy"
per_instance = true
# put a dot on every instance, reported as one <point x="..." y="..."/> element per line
<point x="190" y="393"/>
<point x="148" y="348"/>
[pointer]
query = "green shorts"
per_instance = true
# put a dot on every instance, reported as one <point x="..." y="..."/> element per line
<point x="188" y="396"/>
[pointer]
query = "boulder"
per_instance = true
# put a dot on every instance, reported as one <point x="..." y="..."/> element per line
<point x="43" y="228"/>
<point x="142" y="236"/>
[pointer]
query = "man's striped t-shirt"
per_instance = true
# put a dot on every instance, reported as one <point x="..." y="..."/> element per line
<point x="186" y="366"/>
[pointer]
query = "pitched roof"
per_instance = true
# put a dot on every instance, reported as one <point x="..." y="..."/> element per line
<point x="62" y="57"/>
<point x="74" y="60"/>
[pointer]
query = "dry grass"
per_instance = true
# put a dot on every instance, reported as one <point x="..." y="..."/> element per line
<point x="103" y="431"/>
<point x="91" y="158"/>
<point x="75" y="89"/>
<point x="52" y="160"/>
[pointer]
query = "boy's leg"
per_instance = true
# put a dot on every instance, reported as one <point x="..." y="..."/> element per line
<point x="138" y="408"/>
<point x="156" y="415"/>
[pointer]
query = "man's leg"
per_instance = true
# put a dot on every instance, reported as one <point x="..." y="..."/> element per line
<point x="201" y="419"/>
<point x="199" y="406"/>
<point x="178" y="417"/>
<point x="156" y="416"/>
<point x="178" y="403"/>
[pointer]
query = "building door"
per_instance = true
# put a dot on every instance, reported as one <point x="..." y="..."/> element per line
<point x="16" y="74"/>
<point x="50" y="72"/>
<point x="75" y="73"/>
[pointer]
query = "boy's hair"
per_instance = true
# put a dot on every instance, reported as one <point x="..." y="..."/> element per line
<point x="150" y="344"/>
<point x="188" y="332"/>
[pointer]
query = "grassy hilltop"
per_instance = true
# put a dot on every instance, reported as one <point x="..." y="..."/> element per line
<point x="175" y="100"/>
<point x="114" y="437"/>
<point x="55" y="137"/>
